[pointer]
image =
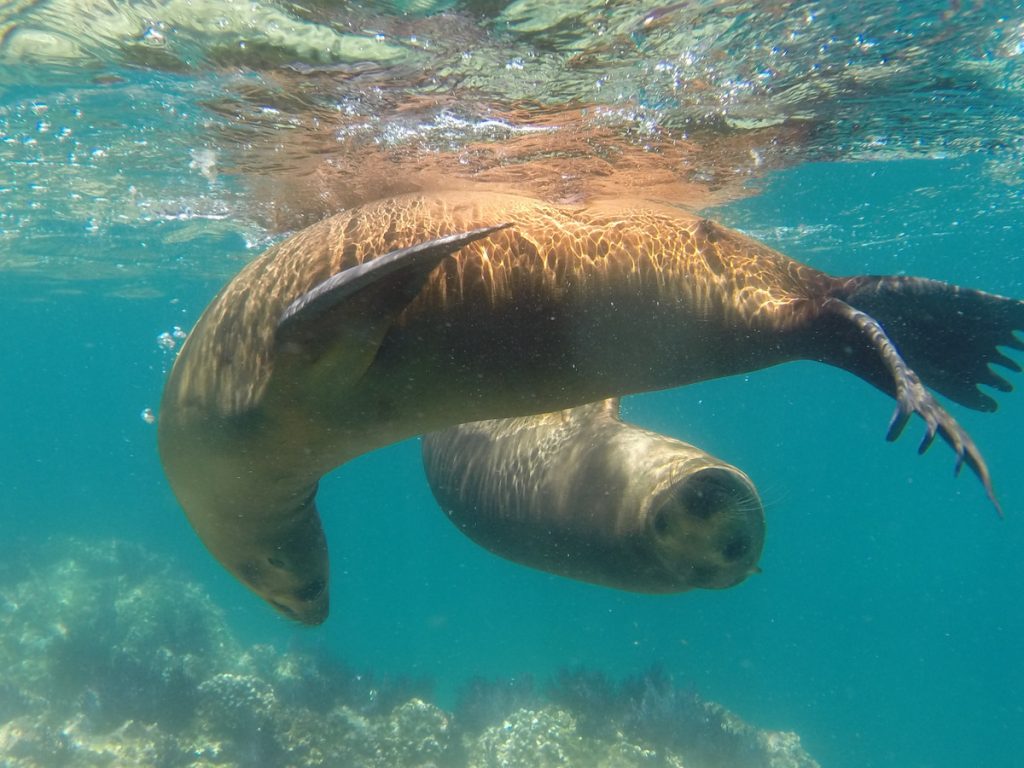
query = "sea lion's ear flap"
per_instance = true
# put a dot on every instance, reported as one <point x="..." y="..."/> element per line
<point x="387" y="283"/>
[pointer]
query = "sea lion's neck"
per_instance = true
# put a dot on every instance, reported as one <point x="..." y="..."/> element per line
<point x="239" y="466"/>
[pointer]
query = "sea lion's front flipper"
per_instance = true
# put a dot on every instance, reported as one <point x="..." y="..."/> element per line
<point x="911" y="395"/>
<point x="339" y="324"/>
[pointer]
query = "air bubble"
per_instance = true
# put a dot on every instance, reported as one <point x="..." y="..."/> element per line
<point x="148" y="416"/>
<point x="169" y="340"/>
<point x="152" y="36"/>
<point x="204" y="161"/>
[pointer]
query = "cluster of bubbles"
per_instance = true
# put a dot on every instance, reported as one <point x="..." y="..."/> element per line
<point x="169" y="340"/>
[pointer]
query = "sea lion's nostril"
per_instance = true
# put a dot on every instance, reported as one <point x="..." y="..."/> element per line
<point x="737" y="547"/>
<point x="311" y="591"/>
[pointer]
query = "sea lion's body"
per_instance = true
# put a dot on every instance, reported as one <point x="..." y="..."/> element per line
<point x="306" y="359"/>
<point x="559" y="288"/>
<point x="582" y="494"/>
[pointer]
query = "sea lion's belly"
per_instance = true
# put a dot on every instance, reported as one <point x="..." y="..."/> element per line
<point x="538" y="353"/>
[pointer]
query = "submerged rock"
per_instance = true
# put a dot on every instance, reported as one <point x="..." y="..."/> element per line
<point x="652" y="710"/>
<point x="417" y="734"/>
<point x="107" y="631"/>
<point x="109" y="658"/>
<point x="548" y="738"/>
<point x="33" y="742"/>
<point x="545" y="738"/>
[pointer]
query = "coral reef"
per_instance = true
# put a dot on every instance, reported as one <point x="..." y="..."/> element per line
<point x="548" y="738"/>
<point x="109" y="658"/>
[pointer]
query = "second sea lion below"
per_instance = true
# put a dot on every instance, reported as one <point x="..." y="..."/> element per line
<point x="582" y="494"/>
<point x="419" y="312"/>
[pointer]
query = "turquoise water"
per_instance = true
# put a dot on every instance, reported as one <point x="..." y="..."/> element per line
<point x="885" y="628"/>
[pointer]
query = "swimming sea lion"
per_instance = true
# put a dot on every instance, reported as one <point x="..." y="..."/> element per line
<point x="582" y="494"/>
<point x="415" y="313"/>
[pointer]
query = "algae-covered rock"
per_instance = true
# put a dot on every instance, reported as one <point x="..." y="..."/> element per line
<point x="545" y="738"/>
<point x="33" y="742"/>
<point x="107" y="631"/>
<point x="549" y="738"/>
<point x="319" y="681"/>
<point x="784" y="750"/>
<point x="236" y="704"/>
<point x="651" y="709"/>
<point x="109" y="658"/>
<point x="416" y="735"/>
<point x="241" y="713"/>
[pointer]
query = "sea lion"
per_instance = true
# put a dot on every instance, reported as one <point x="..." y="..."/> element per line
<point x="582" y="494"/>
<point x="414" y="313"/>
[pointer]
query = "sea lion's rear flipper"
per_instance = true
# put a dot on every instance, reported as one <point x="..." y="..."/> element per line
<point x="948" y="334"/>
<point x="338" y="325"/>
<point x="881" y="364"/>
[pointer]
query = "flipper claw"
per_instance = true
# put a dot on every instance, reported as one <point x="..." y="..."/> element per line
<point x="929" y="438"/>
<point x="899" y="420"/>
<point x="912" y="397"/>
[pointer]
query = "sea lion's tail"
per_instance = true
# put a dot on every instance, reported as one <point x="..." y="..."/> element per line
<point x="903" y="333"/>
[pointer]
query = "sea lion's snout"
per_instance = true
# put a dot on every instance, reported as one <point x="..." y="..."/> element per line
<point x="292" y="589"/>
<point x="287" y="565"/>
<point x="307" y="605"/>
<point x="709" y="527"/>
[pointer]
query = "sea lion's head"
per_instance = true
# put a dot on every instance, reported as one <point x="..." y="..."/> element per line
<point x="708" y="527"/>
<point x="261" y="525"/>
<point x="286" y="566"/>
<point x="277" y="549"/>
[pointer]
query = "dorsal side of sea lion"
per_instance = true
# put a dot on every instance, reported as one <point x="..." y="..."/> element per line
<point x="415" y="313"/>
<point x="582" y="494"/>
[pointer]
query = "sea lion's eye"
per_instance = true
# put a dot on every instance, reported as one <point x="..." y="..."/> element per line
<point x="276" y="562"/>
<point x="311" y="591"/>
